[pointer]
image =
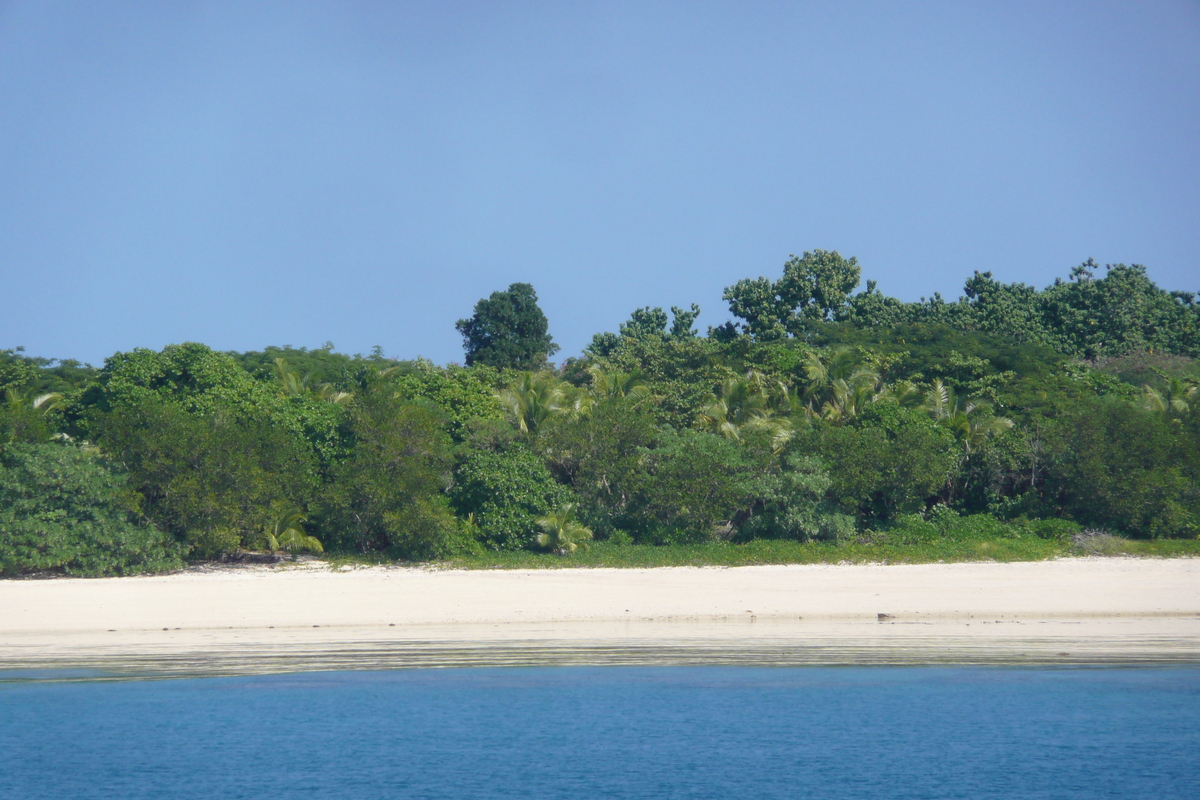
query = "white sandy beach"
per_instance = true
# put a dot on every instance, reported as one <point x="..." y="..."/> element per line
<point x="1104" y="610"/>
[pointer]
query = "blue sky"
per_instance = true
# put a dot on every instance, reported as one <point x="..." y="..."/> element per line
<point x="245" y="174"/>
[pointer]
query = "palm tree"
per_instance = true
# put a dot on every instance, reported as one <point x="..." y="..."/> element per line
<point x="940" y="400"/>
<point x="1177" y="398"/>
<point x="746" y="404"/>
<point x="533" y="398"/>
<point x="971" y="423"/>
<point x="849" y="397"/>
<point x="840" y="362"/>
<point x="292" y="385"/>
<point x="42" y="402"/>
<point x="562" y="533"/>
<point x="839" y="386"/>
<point x="287" y="533"/>
<point x="331" y="394"/>
<point x="904" y="393"/>
<point x="608" y="385"/>
<point x="290" y="382"/>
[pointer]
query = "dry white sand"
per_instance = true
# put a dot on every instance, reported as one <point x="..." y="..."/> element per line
<point x="1102" y="610"/>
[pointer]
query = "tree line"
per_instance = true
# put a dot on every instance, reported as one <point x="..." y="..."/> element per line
<point x="819" y="414"/>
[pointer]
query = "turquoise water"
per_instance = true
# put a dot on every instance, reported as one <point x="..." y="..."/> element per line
<point x="581" y="733"/>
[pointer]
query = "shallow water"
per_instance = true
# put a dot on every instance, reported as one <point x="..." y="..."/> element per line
<point x="584" y="732"/>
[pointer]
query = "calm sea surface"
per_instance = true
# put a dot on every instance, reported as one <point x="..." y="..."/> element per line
<point x="581" y="733"/>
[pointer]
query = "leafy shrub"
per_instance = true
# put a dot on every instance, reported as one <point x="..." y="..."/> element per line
<point x="462" y="394"/>
<point x="1115" y="465"/>
<point x="387" y="494"/>
<point x="214" y="479"/>
<point x="690" y="484"/>
<point x="792" y="505"/>
<point x="21" y="423"/>
<point x="1060" y="530"/>
<point x="600" y="456"/>
<point x="203" y="382"/>
<point x="890" y="462"/>
<point x="506" y="491"/>
<point x="943" y="523"/>
<point x="63" y="509"/>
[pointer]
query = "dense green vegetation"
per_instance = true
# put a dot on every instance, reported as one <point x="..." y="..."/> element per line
<point x="823" y="424"/>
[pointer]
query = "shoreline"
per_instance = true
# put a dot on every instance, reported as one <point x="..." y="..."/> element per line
<point x="252" y="621"/>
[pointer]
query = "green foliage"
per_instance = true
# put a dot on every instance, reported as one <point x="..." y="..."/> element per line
<point x="680" y="374"/>
<point x="213" y="479"/>
<point x="533" y="399"/>
<point x="201" y="380"/>
<point x="814" y="287"/>
<point x="322" y="365"/>
<point x="64" y="509"/>
<point x="16" y="371"/>
<point x="839" y="386"/>
<point x="508" y="330"/>
<point x="23" y="409"/>
<point x="1085" y="316"/>
<point x="693" y="486"/>
<point x="600" y="456"/>
<point x="647" y="323"/>
<point x="461" y="394"/>
<point x="561" y="532"/>
<point x="1141" y="368"/>
<point x="1116" y="465"/>
<point x="749" y="406"/>
<point x="942" y="524"/>
<point x="287" y="533"/>
<point x="791" y="504"/>
<point x="822" y="416"/>
<point x="1120" y="313"/>
<point x="876" y="548"/>
<point x="22" y="420"/>
<point x="1004" y="476"/>
<point x="891" y="461"/>
<point x="506" y="491"/>
<point x="190" y="374"/>
<point x="386" y="495"/>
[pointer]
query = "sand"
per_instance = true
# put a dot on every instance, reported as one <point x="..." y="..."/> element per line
<point x="237" y="621"/>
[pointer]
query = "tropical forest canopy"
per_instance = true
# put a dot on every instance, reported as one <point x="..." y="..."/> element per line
<point x="819" y="414"/>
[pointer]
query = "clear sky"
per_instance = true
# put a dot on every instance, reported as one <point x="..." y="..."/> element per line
<point x="245" y="174"/>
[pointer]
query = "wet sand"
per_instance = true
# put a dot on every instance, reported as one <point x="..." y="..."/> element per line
<point x="245" y="621"/>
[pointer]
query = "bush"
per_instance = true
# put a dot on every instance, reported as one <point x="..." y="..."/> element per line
<point x="1117" y="466"/>
<point x="63" y="509"/>
<point x="204" y="383"/>
<point x="600" y="456"/>
<point x="1058" y="530"/>
<point x="506" y="492"/>
<point x="692" y="484"/>
<point x="214" y="479"/>
<point x="792" y="505"/>
<point x="387" y="494"/>
<point x="22" y="423"/>
<point x="890" y="462"/>
<point x="943" y="523"/>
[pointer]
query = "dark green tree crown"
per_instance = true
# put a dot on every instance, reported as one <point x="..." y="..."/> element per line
<point x="814" y="287"/>
<point x="508" y="329"/>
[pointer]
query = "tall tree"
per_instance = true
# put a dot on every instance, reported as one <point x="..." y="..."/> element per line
<point x="387" y="495"/>
<point x="508" y="329"/>
<point x="814" y="287"/>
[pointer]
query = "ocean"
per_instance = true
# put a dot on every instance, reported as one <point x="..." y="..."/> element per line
<point x="608" y="732"/>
